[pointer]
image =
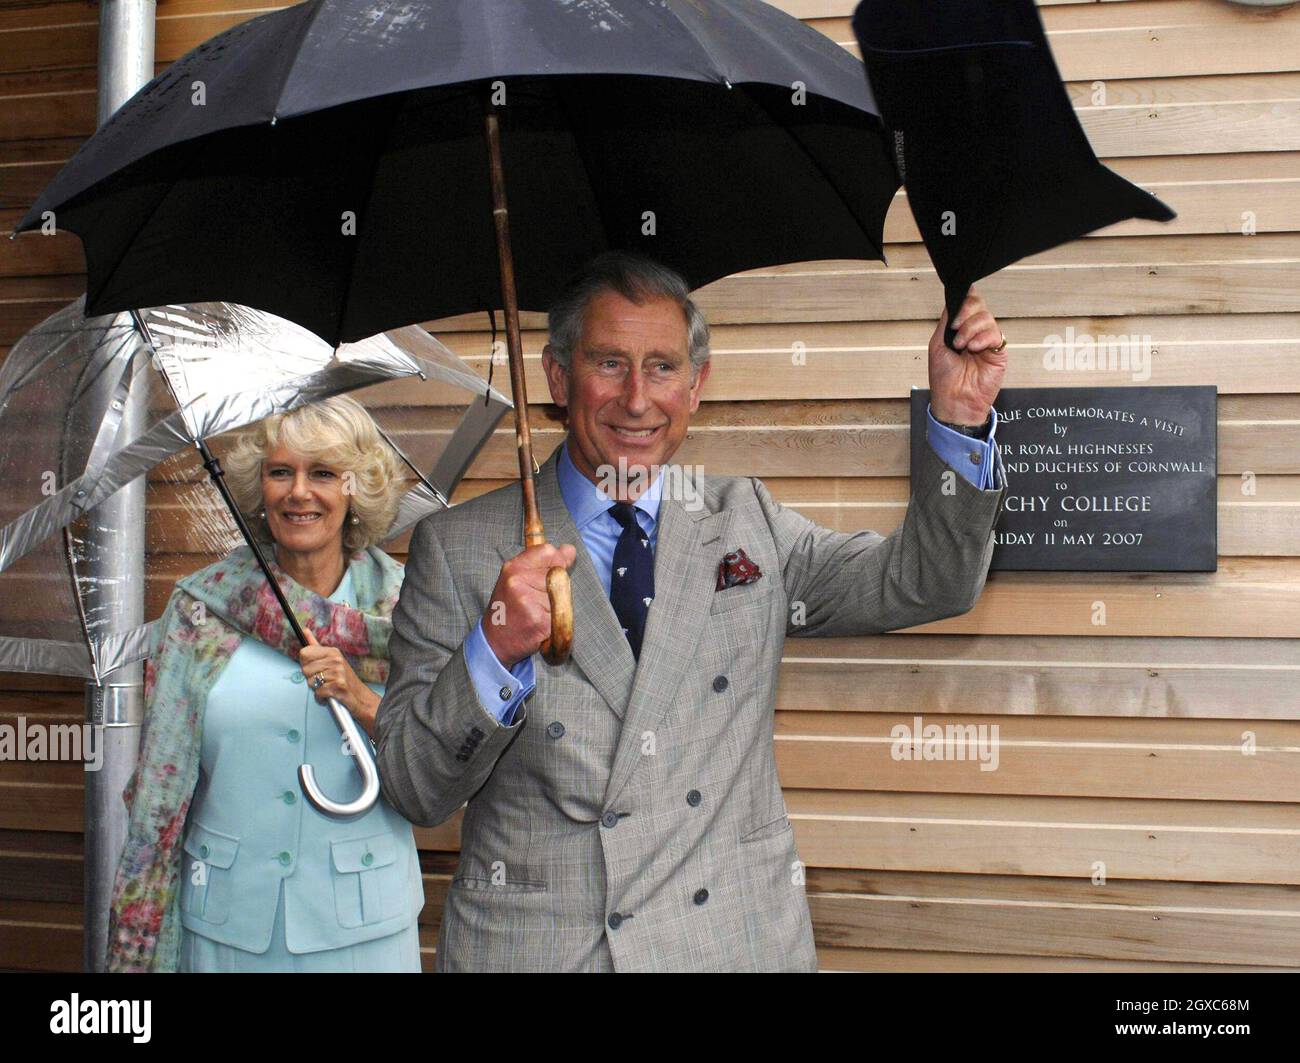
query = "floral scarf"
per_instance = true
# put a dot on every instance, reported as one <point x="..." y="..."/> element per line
<point x="209" y="614"/>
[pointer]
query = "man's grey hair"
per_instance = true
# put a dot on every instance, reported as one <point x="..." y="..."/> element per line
<point x="634" y="277"/>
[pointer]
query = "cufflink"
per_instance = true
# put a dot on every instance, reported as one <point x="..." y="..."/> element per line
<point x="505" y="693"/>
<point x="975" y="456"/>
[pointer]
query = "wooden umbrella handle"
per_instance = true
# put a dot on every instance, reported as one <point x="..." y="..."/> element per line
<point x="555" y="650"/>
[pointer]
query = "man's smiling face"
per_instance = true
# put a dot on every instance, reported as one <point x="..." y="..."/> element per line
<point x="628" y="391"/>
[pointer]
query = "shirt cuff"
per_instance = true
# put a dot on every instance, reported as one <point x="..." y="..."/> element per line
<point x="972" y="458"/>
<point x="499" y="691"/>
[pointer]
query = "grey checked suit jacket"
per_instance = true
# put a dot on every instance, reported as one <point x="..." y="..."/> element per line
<point x="631" y="817"/>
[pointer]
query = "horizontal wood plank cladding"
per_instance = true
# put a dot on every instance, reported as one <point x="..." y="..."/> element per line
<point x="1246" y="598"/>
<point x="1036" y="674"/>
<point x="1071" y="919"/>
<point x="1238" y="353"/>
<point x="905" y="961"/>
<point x="840" y="494"/>
<point x="1121" y="275"/>
<point x="1144" y="40"/>
<point x="1157" y="38"/>
<point x="875" y="916"/>
<point x="40" y="866"/>
<point x="30" y="300"/>
<point x="1118" y="744"/>
<point x="1067" y="837"/>
<point x="1054" y="836"/>
<point x="1211" y="194"/>
<point x="1247" y="527"/>
<point x="863" y="438"/>
<point x="1139" y="275"/>
<point x="1266" y="447"/>
<point x="1048" y="756"/>
<point x="1256" y="598"/>
<point x="863" y="360"/>
<point x="40" y="936"/>
<point x="41" y="806"/>
<point x="1114" y="130"/>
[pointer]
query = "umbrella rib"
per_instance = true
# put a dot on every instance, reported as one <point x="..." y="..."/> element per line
<point x="198" y="144"/>
<point x="412" y="466"/>
<point x="586" y="166"/>
<point x="308" y="23"/>
<point x="880" y="248"/>
<point x="361" y="215"/>
<point x="69" y="556"/>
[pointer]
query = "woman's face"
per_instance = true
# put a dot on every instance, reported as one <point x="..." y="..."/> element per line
<point x="305" y="501"/>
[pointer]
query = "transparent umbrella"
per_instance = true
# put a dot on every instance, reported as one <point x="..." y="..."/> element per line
<point x="207" y="371"/>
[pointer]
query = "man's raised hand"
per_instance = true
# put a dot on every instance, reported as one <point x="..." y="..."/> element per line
<point x="518" y="616"/>
<point x="964" y="382"/>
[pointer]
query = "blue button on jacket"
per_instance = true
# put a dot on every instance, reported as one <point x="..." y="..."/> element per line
<point x="500" y="691"/>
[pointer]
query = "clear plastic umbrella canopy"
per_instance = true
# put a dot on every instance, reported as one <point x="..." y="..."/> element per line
<point x="87" y="407"/>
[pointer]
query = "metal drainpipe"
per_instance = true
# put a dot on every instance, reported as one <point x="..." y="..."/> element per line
<point x="115" y="542"/>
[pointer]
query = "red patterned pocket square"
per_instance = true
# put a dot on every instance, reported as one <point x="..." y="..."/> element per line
<point x="737" y="568"/>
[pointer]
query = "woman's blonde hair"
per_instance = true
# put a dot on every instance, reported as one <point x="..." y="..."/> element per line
<point x="336" y="431"/>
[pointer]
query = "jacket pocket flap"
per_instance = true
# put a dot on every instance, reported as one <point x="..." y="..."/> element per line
<point x="363" y="854"/>
<point x="210" y="846"/>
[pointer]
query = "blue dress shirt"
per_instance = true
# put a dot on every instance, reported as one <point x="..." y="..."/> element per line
<point x="589" y="507"/>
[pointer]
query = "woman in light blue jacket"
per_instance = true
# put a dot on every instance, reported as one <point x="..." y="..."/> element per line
<point x="226" y="867"/>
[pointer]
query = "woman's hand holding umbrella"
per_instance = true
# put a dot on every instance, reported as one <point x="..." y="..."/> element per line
<point x="330" y="676"/>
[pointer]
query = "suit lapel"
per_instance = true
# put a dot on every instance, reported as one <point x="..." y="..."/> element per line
<point x="685" y="578"/>
<point x="600" y="648"/>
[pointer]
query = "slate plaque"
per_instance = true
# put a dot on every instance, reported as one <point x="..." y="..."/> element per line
<point x="1104" y="479"/>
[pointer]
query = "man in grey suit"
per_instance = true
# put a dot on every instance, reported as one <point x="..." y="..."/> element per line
<point x="624" y="811"/>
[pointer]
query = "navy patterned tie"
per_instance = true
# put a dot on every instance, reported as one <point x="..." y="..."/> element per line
<point x="632" y="581"/>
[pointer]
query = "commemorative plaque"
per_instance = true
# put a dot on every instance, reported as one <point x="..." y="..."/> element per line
<point x="1103" y="479"/>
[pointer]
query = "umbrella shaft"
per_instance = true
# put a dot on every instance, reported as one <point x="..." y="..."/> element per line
<point x="218" y="478"/>
<point x="534" y="534"/>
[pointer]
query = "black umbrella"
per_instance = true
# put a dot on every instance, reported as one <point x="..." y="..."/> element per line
<point x="990" y="150"/>
<point x="327" y="163"/>
<point x="335" y="172"/>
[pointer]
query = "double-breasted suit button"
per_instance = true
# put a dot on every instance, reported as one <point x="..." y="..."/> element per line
<point x="693" y="798"/>
<point x="555" y="730"/>
<point x="615" y="921"/>
<point x="293" y="736"/>
<point x="289" y="797"/>
<point x="609" y="819"/>
<point x="720" y="684"/>
<point x="285" y="858"/>
<point x="701" y="895"/>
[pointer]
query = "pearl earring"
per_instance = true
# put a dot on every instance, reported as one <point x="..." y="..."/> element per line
<point x="356" y="519"/>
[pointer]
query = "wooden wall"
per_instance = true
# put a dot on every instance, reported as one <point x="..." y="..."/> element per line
<point x="1123" y="743"/>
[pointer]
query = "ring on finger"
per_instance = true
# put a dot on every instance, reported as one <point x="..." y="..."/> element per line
<point x="318" y="680"/>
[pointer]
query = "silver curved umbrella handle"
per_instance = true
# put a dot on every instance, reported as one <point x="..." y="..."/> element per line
<point x="359" y="744"/>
